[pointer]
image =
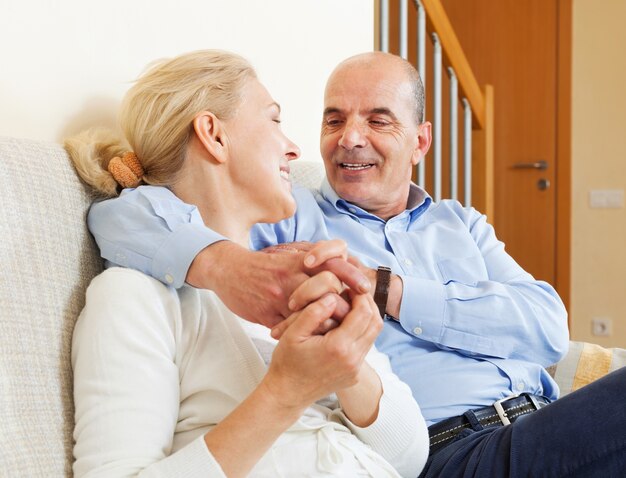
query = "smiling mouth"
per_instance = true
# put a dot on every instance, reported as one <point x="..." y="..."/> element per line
<point x="356" y="167"/>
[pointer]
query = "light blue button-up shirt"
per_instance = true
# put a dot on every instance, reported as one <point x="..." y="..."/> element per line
<point x="474" y="326"/>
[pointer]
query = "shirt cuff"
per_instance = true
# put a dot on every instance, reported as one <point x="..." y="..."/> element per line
<point x="422" y="311"/>
<point x="173" y="259"/>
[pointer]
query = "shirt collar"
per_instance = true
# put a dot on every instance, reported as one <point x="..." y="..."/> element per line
<point x="419" y="200"/>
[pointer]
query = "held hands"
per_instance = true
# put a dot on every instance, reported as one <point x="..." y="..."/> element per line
<point x="305" y="366"/>
<point x="396" y="286"/>
<point x="257" y="285"/>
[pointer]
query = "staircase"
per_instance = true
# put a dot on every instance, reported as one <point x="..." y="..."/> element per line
<point x="460" y="164"/>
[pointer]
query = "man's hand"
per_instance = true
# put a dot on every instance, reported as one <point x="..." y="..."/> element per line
<point x="396" y="286"/>
<point x="257" y="285"/>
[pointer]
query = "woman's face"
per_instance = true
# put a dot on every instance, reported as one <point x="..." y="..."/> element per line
<point x="260" y="153"/>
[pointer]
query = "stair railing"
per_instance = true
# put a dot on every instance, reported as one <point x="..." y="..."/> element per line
<point x="475" y="102"/>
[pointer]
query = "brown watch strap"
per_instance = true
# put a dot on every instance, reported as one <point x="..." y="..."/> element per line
<point x="381" y="294"/>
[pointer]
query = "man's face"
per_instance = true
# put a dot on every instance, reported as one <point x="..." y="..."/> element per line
<point x="370" y="138"/>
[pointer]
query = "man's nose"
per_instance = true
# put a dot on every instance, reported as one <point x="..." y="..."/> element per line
<point x="353" y="136"/>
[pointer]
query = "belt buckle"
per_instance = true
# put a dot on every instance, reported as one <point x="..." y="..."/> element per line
<point x="500" y="409"/>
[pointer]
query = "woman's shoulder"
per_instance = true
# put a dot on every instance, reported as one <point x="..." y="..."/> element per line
<point x="125" y="289"/>
<point x="129" y="289"/>
<point x="122" y="278"/>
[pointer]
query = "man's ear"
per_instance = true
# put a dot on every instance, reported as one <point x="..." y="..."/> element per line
<point x="210" y="131"/>
<point x="424" y="138"/>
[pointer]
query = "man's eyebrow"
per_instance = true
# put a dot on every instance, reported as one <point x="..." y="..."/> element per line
<point x="375" y="111"/>
<point x="383" y="111"/>
<point x="330" y="110"/>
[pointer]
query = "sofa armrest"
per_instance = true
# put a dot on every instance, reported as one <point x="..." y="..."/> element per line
<point x="584" y="363"/>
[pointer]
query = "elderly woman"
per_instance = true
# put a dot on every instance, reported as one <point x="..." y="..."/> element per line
<point x="170" y="382"/>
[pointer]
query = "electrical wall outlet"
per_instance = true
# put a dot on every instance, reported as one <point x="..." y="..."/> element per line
<point x="601" y="326"/>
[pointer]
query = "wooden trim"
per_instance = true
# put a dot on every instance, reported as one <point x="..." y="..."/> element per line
<point x="483" y="160"/>
<point x="437" y="21"/>
<point x="489" y="153"/>
<point x="376" y="25"/>
<point x="564" y="152"/>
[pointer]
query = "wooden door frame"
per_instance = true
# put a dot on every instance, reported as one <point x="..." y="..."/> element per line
<point x="563" y="227"/>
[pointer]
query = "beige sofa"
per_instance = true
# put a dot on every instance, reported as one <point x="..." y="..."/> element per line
<point x="48" y="259"/>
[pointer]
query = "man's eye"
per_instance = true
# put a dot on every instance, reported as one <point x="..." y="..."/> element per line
<point x="379" y="122"/>
<point x="333" y="122"/>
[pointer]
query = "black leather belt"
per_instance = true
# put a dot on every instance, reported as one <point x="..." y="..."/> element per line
<point x="502" y="412"/>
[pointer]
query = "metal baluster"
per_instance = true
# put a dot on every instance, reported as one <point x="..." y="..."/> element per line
<point x="384" y="25"/>
<point x="437" y="120"/>
<point x="467" y="153"/>
<point x="404" y="28"/>
<point x="454" y="133"/>
<point x="421" y="68"/>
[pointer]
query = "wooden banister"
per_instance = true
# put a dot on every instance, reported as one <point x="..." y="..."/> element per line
<point x="437" y="21"/>
<point x="480" y="98"/>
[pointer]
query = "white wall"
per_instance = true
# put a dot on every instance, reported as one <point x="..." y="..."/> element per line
<point x="65" y="64"/>
<point x="598" y="162"/>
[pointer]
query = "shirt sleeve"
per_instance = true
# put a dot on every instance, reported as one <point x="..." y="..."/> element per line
<point x="495" y="317"/>
<point x="126" y="383"/>
<point x="399" y="433"/>
<point x="307" y="224"/>
<point x="151" y="230"/>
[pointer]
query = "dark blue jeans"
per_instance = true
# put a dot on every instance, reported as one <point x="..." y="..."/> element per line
<point x="580" y="435"/>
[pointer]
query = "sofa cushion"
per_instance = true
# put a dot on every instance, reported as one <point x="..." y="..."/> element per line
<point x="584" y="363"/>
<point x="308" y="174"/>
<point x="48" y="259"/>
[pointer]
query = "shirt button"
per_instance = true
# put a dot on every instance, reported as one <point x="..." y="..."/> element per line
<point x="520" y="386"/>
<point x="408" y="262"/>
<point x="168" y="278"/>
<point x="352" y="210"/>
<point x="417" y="330"/>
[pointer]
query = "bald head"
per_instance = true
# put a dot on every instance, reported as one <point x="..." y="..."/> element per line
<point x="372" y="131"/>
<point x="394" y="66"/>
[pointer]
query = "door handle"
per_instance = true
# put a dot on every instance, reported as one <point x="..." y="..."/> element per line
<point x="541" y="164"/>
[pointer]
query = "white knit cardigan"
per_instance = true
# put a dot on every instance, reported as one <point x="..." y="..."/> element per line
<point x="156" y="368"/>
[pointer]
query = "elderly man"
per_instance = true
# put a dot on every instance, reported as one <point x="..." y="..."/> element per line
<point x="468" y="329"/>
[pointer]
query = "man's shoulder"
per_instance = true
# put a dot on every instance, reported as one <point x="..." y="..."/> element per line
<point x="453" y="206"/>
<point x="307" y="200"/>
<point x="301" y="193"/>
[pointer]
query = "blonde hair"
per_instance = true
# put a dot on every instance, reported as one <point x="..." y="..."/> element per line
<point x="157" y="115"/>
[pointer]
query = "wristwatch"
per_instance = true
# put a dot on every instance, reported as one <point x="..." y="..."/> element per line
<point x="381" y="294"/>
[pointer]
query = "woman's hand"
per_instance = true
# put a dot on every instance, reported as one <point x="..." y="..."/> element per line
<point x="309" y="291"/>
<point x="306" y="367"/>
<point x="322" y="253"/>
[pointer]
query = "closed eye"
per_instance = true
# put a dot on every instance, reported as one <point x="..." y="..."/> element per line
<point x="333" y="122"/>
